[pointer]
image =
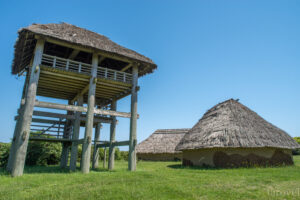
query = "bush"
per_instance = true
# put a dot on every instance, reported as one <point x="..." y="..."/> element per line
<point x="43" y="153"/>
<point x="4" y="153"/>
<point x="296" y="151"/>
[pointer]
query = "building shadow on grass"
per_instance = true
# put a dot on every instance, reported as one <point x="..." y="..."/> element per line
<point x="49" y="170"/>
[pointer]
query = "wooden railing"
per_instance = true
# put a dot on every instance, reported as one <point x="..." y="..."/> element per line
<point x="71" y="65"/>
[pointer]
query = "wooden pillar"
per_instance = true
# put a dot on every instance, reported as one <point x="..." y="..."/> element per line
<point x="104" y="158"/>
<point x="111" y="154"/>
<point x="22" y="135"/>
<point x="17" y="126"/>
<point x="133" y="120"/>
<point x="95" y="163"/>
<point x="66" y="146"/>
<point x="75" y="136"/>
<point x="86" y="147"/>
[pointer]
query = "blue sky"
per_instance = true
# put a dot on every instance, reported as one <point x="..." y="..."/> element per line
<point x="206" y="52"/>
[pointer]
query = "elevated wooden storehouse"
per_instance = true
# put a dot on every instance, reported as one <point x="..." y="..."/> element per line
<point x="232" y="135"/>
<point x="160" y="145"/>
<point x="65" y="62"/>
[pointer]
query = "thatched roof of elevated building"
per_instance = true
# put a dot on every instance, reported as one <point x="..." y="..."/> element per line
<point x="231" y="124"/>
<point x="76" y="36"/>
<point x="162" y="141"/>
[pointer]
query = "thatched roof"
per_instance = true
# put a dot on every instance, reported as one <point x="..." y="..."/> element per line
<point x="162" y="141"/>
<point x="73" y="35"/>
<point x="231" y="124"/>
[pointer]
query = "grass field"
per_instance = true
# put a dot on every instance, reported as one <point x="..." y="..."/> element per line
<point x="154" y="180"/>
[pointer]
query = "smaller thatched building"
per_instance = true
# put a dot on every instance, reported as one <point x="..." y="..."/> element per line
<point x="160" y="146"/>
<point x="232" y="135"/>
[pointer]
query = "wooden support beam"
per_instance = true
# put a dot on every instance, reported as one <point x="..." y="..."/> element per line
<point x="63" y="75"/>
<point x="104" y="158"/>
<point x="43" y="139"/>
<point x="74" y="53"/>
<point x="74" y="108"/>
<point x="97" y="119"/>
<point x="23" y="133"/>
<point x="75" y="136"/>
<point x="17" y="126"/>
<point x="126" y="67"/>
<point x="111" y="155"/>
<point x="115" y="144"/>
<point x="81" y="93"/>
<point x="46" y="121"/>
<point x="65" y="146"/>
<point x="95" y="163"/>
<point x="133" y="121"/>
<point x="86" y="147"/>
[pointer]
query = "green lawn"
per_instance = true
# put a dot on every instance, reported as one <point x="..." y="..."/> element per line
<point x="154" y="180"/>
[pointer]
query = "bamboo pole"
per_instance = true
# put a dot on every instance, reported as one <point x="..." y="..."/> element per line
<point x="23" y="134"/>
<point x="86" y="147"/>
<point x="95" y="163"/>
<point x="111" y="156"/>
<point x="133" y="120"/>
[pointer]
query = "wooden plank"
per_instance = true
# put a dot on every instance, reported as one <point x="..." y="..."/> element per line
<point x="24" y="131"/>
<point x="74" y="53"/>
<point x="126" y="67"/>
<point x="111" y="154"/>
<point x="133" y="121"/>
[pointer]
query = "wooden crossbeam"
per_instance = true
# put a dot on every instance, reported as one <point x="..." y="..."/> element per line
<point x="81" y="93"/>
<point x="74" y="53"/>
<point x="115" y="144"/>
<point x="97" y="119"/>
<point x="74" y="108"/>
<point x="126" y="67"/>
<point x="55" y="139"/>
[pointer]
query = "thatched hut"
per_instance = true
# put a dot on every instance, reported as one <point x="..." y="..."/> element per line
<point x="232" y="135"/>
<point x="160" y="146"/>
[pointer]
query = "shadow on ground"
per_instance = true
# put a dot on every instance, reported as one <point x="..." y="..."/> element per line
<point x="49" y="170"/>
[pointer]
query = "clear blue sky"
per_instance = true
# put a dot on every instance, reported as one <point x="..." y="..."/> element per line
<point x="206" y="52"/>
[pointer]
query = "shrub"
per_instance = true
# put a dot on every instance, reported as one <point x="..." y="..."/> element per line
<point x="4" y="153"/>
<point x="297" y="151"/>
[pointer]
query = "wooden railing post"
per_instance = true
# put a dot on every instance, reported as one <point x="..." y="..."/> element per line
<point x="95" y="163"/>
<point x="86" y="147"/>
<point x="23" y="133"/>
<point x="111" y="156"/>
<point x="133" y="120"/>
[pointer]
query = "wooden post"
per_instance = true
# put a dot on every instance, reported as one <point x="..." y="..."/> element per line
<point x="111" y="154"/>
<point x="86" y="147"/>
<point x="65" y="146"/>
<point x="75" y="136"/>
<point x="104" y="158"/>
<point x="23" y="133"/>
<point x="95" y="163"/>
<point x="17" y="126"/>
<point x="133" y="120"/>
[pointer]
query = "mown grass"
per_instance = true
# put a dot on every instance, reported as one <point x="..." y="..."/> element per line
<point x="154" y="180"/>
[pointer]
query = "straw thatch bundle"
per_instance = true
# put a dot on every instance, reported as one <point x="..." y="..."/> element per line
<point x="231" y="124"/>
<point x="73" y="35"/>
<point x="161" y="145"/>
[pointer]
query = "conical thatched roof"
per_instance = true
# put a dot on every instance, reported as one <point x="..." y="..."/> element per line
<point x="162" y="141"/>
<point x="74" y="35"/>
<point x="231" y="124"/>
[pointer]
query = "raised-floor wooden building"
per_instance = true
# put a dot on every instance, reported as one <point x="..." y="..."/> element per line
<point x="87" y="70"/>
